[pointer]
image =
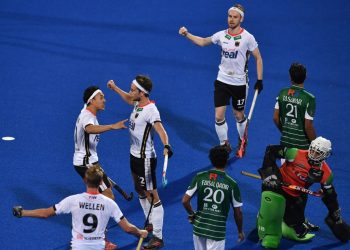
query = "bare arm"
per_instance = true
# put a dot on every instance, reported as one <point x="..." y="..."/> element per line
<point x="259" y="63"/>
<point x="186" y="202"/>
<point x="200" y="41"/>
<point x="310" y="130"/>
<point x="162" y="134"/>
<point x="132" y="229"/>
<point x="124" y="95"/>
<point x="237" y="212"/>
<point x="39" y="213"/>
<point x="276" y="119"/>
<point x="97" y="129"/>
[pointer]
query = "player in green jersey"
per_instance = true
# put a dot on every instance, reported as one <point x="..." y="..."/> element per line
<point x="295" y="111"/>
<point x="216" y="193"/>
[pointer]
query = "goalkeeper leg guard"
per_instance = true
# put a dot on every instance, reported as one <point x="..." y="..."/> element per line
<point x="270" y="219"/>
<point x="339" y="227"/>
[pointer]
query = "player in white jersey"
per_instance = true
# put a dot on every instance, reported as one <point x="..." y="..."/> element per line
<point x="86" y="137"/>
<point x="144" y="119"/>
<point x="232" y="80"/>
<point x="90" y="211"/>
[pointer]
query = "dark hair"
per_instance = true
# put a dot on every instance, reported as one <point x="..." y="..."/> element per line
<point x="93" y="176"/>
<point x="88" y="92"/>
<point x="218" y="156"/>
<point x="297" y="73"/>
<point x="239" y="6"/>
<point x="145" y="83"/>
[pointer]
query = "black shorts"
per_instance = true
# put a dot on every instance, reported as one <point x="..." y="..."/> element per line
<point x="105" y="183"/>
<point x="144" y="173"/>
<point x="224" y="92"/>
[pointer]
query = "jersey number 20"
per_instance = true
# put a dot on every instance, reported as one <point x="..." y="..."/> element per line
<point x="217" y="196"/>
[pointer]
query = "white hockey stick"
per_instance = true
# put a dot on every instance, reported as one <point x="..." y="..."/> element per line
<point x="165" y="166"/>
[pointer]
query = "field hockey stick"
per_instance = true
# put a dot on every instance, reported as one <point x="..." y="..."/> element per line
<point x="126" y="196"/>
<point x="240" y="152"/>
<point x="146" y="222"/>
<point x="165" y="166"/>
<point x="289" y="186"/>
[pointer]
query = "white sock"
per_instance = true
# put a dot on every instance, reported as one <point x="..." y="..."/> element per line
<point x="158" y="215"/>
<point x="221" y="130"/>
<point x="145" y="207"/>
<point x="241" y="127"/>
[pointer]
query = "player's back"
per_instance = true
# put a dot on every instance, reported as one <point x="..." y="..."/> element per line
<point x="295" y="105"/>
<point x="90" y="215"/>
<point x="215" y="196"/>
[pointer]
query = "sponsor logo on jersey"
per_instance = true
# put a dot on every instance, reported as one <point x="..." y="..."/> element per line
<point x="291" y="92"/>
<point x="213" y="176"/>
<point x="237" y="37"/>
<point x="228" y="37"/>
<point x="232" y="54"/>
<point x="131" y="125"/>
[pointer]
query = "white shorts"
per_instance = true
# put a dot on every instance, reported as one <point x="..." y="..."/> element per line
<point x="201" y="243"/>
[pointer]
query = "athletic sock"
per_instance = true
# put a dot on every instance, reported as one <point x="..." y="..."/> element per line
<point x="241" y="127"/>
<point x="158" y="215"/>
<point x="145" y="207"/>
<point x="221" y="130"/>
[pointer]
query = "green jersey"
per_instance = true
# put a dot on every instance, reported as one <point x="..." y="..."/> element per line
<point x="216" y="192"/>
<point x="295" y="105"/>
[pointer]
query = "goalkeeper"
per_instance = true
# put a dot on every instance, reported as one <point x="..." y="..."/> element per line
<point x="301" y="168"/>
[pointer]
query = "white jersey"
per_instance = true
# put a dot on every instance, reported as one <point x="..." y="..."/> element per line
<point x="141" y="130"/>
<point x="90" y="215"/>
<point x="85" y="144"/>
<point x="235" y="51"/>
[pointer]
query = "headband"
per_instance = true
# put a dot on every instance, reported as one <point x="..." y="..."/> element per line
<point x="238" y="10"/>
<point x="139" y="86"/>
<point x="91" y="97"/>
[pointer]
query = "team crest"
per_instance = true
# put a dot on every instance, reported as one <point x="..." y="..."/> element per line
<point x="136" y="115"/>
<point x="237" y="43"/>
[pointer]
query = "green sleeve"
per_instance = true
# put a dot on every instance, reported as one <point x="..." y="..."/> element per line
<point x="291" y="154"/>
<point x="192" y="188"/>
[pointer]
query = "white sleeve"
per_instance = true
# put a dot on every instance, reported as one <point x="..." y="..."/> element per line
<point x="117" y="214"/>
<point x="86" y="120"/>
<point x="252" y="44"/>
<point x="154" y="116"/>
<point x="215" y="39"/>
<point x="64" y="206"/>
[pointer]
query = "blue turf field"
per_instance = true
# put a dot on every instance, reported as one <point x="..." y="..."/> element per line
<point x="50" y="51"/>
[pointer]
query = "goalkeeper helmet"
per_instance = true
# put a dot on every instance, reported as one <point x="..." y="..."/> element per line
<point x="319" y="150"/>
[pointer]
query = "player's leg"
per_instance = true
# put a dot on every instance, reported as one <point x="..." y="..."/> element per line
<point x="294" y="218"/>
<point x="215" y="245"/>
<point x="221" y="100"/>
<point x="158" y="210"/>
<point x="239" y="97"/>
<point x="270" y="218"/>
<point x="200" y="243"/>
